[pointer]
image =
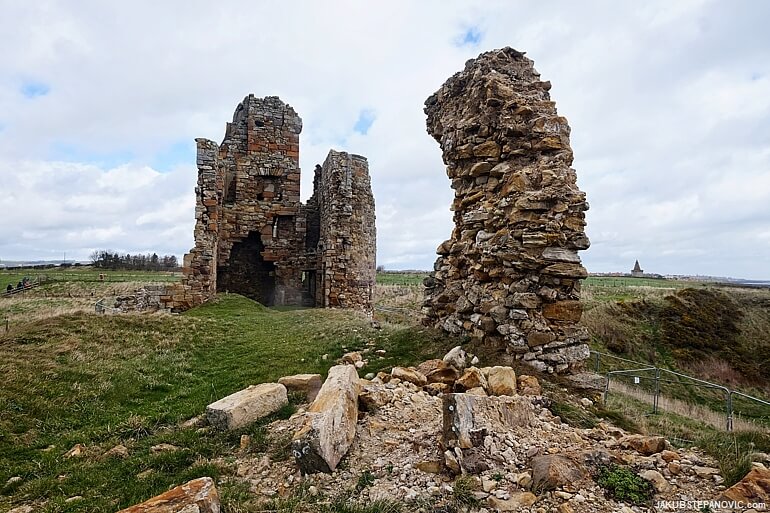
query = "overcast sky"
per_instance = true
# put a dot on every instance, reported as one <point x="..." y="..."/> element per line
<point x="669" y="104"/>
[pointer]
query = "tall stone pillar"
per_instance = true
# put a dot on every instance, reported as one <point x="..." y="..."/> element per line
<point x="348" y="235"/>
<point x="510" y="273"/>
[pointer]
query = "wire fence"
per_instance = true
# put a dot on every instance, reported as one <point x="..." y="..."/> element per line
<point x="668" y="390"/>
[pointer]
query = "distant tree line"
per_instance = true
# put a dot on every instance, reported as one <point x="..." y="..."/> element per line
<point x="107" y="259"/>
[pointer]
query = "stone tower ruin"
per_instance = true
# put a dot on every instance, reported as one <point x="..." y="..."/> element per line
<point x="253" y="236"/>
<point x="510" y="273"/>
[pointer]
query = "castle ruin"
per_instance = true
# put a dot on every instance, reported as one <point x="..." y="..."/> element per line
<point x="510" y="273"/>
<point x="254" y="237"/>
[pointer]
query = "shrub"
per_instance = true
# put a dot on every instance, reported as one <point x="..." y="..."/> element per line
<point x="622" y="484"/>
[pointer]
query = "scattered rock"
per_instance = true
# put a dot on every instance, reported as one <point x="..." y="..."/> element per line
<point x="242" y="408"/>
<point x="645" y="445"/>
<point x="704" y="471"/>
<point x="374" y="396"/>
<point x="119" y="451"/>
<point x="658" y="481"/>
<point x="73" y="498"/>
<point x="443" y="373"/>
<point x="155" y="449"/>
<point x="13" y="480"/>
<point x="76" y="452"/>
<point x="352" y="357"/>
<point x="514" y="503"/>
<point x="196" y="496"/>
<point x="471" y="378"/>
<point x="586" y="402"/>
<point x="456" y="357"/>
<point x="753" y="488"/>
<point x="528" y="385"/>
<point x="554" y="471"/>
<point x="502" y="381"/>
<point x="411" y="375"/>
<point x="429" y="366"/>
<point x="308" y="384"/>
<point x="669" y="456"/>
<point x="431" y="467"/>
<point x="22" y="509"/>
<point x="197" y="421"/>
<point x="451" y="462"/>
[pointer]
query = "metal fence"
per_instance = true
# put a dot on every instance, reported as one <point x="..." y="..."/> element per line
<point x="646" y="379"/>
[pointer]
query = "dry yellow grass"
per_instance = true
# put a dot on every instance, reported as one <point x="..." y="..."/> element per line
<point x="685" y="409"/>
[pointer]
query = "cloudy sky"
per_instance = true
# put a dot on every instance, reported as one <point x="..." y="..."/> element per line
<point x="669" y="104"/>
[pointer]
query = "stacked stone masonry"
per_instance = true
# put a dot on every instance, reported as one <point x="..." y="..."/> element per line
<point x="510" y="273"/>
<point x="254" y="237"/>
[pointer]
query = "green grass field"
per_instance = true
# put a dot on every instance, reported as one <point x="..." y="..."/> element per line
<point x="73" y="377"/>
<point x="100" y="381"/>
<point x="84" y="274"/>
<point x="401" y="278"/>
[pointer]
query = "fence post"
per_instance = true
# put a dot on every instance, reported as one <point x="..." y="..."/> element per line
<point x="607" y="388"/>
<point x="730" y="410"/>
<point x="597" y="361"/>
<point x="657" y="391"/>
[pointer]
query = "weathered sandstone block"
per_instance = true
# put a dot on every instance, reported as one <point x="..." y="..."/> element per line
<point x="242" y="408"/>
<point x="196" y="496"/>
<point x="502" y="381"/>
<point x="468" y="418"/>
<point x="753" y="488"/>
<point x="331" y="421"/>
<point x="554" y="470"/>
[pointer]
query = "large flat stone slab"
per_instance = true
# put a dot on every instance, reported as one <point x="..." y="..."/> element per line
<point x="468" y="418"/>
<point x="330" y="424"/>
<point x="249" y="405"/>
<point x="196" y="496"/>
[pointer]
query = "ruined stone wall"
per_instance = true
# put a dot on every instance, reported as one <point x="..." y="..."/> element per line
<point x="253" y="236"/>
<point x="510" y="273"/>
<point x="347" y="243"/>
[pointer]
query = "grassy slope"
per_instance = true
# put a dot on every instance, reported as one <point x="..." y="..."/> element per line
<point x="104" y="380"/>
<point x="636" y="321"/>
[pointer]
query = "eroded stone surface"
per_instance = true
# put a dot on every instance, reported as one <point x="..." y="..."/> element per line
<point x="330" y="423"/>
<point x="468" y="418"/>
<point x="510" y="273"/>
<point x="246" y="406"/>
<point x="196" y="496"/>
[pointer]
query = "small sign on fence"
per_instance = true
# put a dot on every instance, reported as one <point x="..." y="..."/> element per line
<point x="636" y="380"/>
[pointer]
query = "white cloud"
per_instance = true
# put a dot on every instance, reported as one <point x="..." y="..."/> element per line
<point x="669" y="106"/>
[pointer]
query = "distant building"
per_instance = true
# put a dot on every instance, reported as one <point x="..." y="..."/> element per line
<point x="637" y="271"/>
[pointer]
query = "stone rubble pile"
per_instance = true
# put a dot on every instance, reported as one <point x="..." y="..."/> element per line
<point x="510" y="273"/>
<point x="420" y="429"/>
<point x="422" y="435"/>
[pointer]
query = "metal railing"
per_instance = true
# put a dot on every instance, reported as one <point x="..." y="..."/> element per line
<point x="659" y="378"/>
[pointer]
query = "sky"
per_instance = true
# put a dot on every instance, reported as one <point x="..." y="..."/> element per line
<point x="669" y="105"/>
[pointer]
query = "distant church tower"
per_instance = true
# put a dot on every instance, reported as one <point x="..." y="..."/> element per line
<point x="637" y="271"/>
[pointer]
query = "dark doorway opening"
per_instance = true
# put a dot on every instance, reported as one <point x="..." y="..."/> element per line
<point x="309" y="287"/>
<point x="247" y="273"/>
